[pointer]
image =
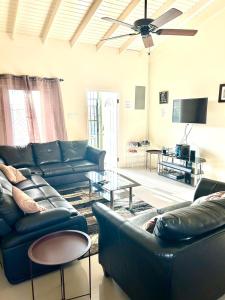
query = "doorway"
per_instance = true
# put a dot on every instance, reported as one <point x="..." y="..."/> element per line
<point x="103" y="124"/>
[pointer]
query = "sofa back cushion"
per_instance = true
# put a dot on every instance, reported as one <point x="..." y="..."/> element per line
<point x="9" y="211"/>
<point x="25" y="202"/>
<point x="17" y="156"/>
<point x="46" y="153"/>
<point x="73" y="150"/>
<point x="191" y="221"/>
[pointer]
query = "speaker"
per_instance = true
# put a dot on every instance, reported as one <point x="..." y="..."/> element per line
<point x="192" y="156"/>
<point x="140" y="97"/>
<point x="182" y="151"/>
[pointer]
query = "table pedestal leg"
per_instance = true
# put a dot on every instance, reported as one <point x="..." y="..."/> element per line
<point x="89" y="262"/>
<point x="31" y="278"/>
<point x="130" y="198"/>
<point x="62" y="283"/>
<point x="111" y="200"/>
<point x="90" y="189"/>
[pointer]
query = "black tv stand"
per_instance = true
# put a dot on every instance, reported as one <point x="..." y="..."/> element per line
<point x="182" y="170"/>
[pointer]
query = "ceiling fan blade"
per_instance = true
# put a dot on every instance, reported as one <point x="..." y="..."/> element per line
<point x="148" y="41"/>
<point x="119" y="36"/>
<point x="167" y="17"/>
<point x="117" y="21"/>
<point x="184" y="32"/>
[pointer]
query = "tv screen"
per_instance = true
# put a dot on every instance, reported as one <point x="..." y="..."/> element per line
<point x="190" y="110"/>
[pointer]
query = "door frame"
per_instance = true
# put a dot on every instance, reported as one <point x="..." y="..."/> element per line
<point x="118" y="116"/>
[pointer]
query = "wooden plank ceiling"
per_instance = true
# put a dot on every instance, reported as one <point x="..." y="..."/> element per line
<point x="79" y="21"/>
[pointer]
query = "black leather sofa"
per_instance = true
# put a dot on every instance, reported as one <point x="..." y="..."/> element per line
<point x="58" y="161"/>
<point x="149" y="267"/>
<point x="18" y="231"/>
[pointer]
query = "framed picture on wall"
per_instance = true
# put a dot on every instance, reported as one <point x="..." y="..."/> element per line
<point x="163" y="97"/>
<point x="222" y="93"/>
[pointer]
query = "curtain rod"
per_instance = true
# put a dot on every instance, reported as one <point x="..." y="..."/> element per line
<point x="32" y="77"/>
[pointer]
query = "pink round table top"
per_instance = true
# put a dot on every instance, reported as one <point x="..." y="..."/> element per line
<point x="59" y="247"/>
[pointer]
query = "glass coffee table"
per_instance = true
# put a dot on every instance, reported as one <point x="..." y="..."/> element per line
<point x="109" y="182"/>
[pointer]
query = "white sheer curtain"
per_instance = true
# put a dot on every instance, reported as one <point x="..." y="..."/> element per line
<point x="30" y="110"/>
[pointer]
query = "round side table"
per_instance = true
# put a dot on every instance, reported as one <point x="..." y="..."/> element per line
<point x="57" y="249"/>
<point x="150" y="153"/>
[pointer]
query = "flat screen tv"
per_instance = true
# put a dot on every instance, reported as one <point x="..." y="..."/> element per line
<point x="190" y="110"/>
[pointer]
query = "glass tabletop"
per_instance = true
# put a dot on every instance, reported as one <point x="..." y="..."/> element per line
<point x="110" y="180"/>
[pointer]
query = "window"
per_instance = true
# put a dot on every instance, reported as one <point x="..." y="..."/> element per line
<point x="20" y="115"/>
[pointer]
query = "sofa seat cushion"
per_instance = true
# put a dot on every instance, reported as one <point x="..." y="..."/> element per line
<point x="17" y="156"/>
<point x="36" y="171"/>
<point x="34" y="182"/>
<point x="46" y="204"/>
<point x="56" y="169"/>
<point x="83" y="166"/>
<point x="73" y="150"/>
<point x="192" y="221"/>
<point x="59" y="202"/>
<point x="42" y="193"/>
<point x="46" y="153"/>
<point x="41" y="220"/>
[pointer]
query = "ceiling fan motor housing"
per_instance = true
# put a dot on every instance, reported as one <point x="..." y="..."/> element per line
<point x="144" y="26"/>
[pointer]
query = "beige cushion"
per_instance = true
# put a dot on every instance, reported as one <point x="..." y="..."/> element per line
<point x="25" y="203"/>
<point x="12" y="174"/>
<point x="150" y="224"/>
<point x="211" y="197"/>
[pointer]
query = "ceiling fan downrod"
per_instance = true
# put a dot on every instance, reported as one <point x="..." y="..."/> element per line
<point x="146" y="7"/>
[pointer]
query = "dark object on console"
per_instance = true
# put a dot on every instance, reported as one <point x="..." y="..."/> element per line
<point x="58" y="161"/>
<point x="182" y="151"/>
<point x="192" y="156"/>
<point x="18" y="231"/>
<point x="148" y="267"/>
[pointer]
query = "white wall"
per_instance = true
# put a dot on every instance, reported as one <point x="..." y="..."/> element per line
<point x="83" y="69"/>
<point x="192" y="67"/>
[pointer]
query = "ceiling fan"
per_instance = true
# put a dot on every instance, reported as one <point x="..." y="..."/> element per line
<point x="146" y="26"/>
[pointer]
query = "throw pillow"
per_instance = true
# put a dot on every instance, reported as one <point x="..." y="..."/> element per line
<point x="12" y="174"/>
<point x="150" y="224"/>
<point x="26" y="203"/>
<point x="210" y="197"/>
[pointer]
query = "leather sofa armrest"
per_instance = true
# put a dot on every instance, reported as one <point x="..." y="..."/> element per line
<point x="173" y="207"/>
<point x="97" y="156"/>
<point x="4" y="228"/>
<point x="25" y="172"/>
<point x="41" y="220"/>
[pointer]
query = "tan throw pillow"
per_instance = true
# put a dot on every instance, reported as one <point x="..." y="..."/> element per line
<point x="210" y="197"/>
<point x="12" y="174"/>
<point x="25" y="203"/>
<point x="150" y="224"/>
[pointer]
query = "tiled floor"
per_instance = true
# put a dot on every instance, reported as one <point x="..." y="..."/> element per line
<point x="156" y="190"/>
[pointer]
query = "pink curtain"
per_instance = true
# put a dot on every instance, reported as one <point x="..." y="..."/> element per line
<point x="45" y="117"/>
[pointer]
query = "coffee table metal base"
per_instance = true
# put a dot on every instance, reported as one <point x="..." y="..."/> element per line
<point x="112" y="196"/>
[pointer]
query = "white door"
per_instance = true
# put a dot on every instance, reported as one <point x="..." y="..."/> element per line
<point x="103" y="124"/>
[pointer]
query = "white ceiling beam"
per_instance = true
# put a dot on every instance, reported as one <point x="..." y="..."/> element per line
<point x="86" y="19"/>
<point x="50" y="19"/>
<point x="15" y="18"/>
<point x="209" y="10"/>
<point x="196" y="14"/>
<point x="160" y="11"/>
<point x="122" y="17"/>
